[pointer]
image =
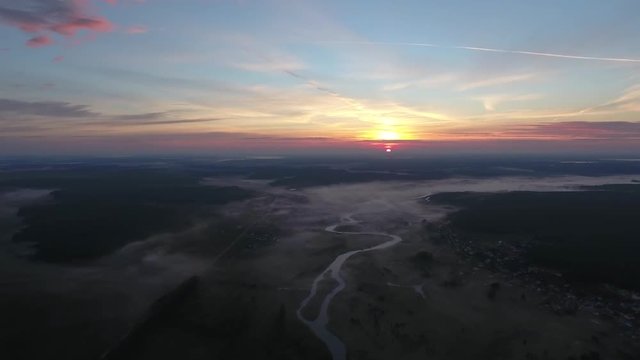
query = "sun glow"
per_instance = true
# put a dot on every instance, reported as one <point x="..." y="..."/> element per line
<point x="387" y="135"/>
<point x="388" y="130"/>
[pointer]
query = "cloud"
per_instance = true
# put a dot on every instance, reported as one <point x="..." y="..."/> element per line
<point x="221" y="141"/>
<point x="490" y="102"/>
<point x="143" y="116"/>
<point x="153" y="118"/>
<point x="46" y="17"/>
<point x="533" y="138"/>
<point x="78" y="126"/>
<point x="500" y="80"/>
<point x="175" y="121"/>
<point x="629" y="101"/>
<point x="137" y="29"/>
<point x="246" y="52"/>
<point x="270" y="65"/>
<point x="427" y="82"/>
<point x="620" y="134"/>
<point x="43" y="108"/>
<point x="161" y="80"/>
<point x="577" y="130"/>
<point x="24" y="117"/>
<point x="323" y="89"/>
<point x="39" y="41"/>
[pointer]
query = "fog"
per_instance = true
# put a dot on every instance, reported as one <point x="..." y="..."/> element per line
<point x="410" y="197"/>
<point x="11" y="201"/>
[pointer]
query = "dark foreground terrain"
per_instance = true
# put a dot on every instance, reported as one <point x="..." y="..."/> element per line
<point x="212" y="258"/>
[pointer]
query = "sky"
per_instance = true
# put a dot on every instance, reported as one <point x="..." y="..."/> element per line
<point x="296" y="76"/>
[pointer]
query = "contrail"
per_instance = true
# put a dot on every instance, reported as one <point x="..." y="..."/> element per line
<point x="503" y="51"/>
<point x="314" y="84"/>
<point x="564" y="56"/>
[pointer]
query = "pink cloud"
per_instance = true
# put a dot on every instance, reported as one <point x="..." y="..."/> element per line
<point x="69" y="28"/>
<point x="58" y="59"/>
<point x="39" y="41"/>
<point x="44" y="17"/>
<point x="137" y="29"/>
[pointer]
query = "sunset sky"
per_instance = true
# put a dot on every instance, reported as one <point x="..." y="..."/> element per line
<point x="162" y="76"/>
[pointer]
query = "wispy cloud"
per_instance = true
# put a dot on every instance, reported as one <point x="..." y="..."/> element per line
<point x="35" y="115"/>
<point x="137" y="29"/>
<point x="271" y="65"/>
<point x="490" y="102"/>
<point x="600" y="130"/>
<point x="152" y="118"/>
<point x="499" y="80"/>
<point x="426" y="82"/>
<point x="629" y="101"/>
<point x="621" y="132"/>
<point x="249" y="53"/>
<point x="10" y="107"/>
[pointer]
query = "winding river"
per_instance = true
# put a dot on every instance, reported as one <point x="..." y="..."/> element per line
<point x="319" y="324"/>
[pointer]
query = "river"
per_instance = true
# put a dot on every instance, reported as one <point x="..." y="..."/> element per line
<point x="319" y="324"/>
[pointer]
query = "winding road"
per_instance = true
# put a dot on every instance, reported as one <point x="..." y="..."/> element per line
<point x="319" y="325"/>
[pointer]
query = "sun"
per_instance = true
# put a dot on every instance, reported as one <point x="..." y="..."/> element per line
<point x="388" y="135"/>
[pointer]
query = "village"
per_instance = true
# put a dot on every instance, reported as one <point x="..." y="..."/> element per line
<point x="561" y="295"/>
